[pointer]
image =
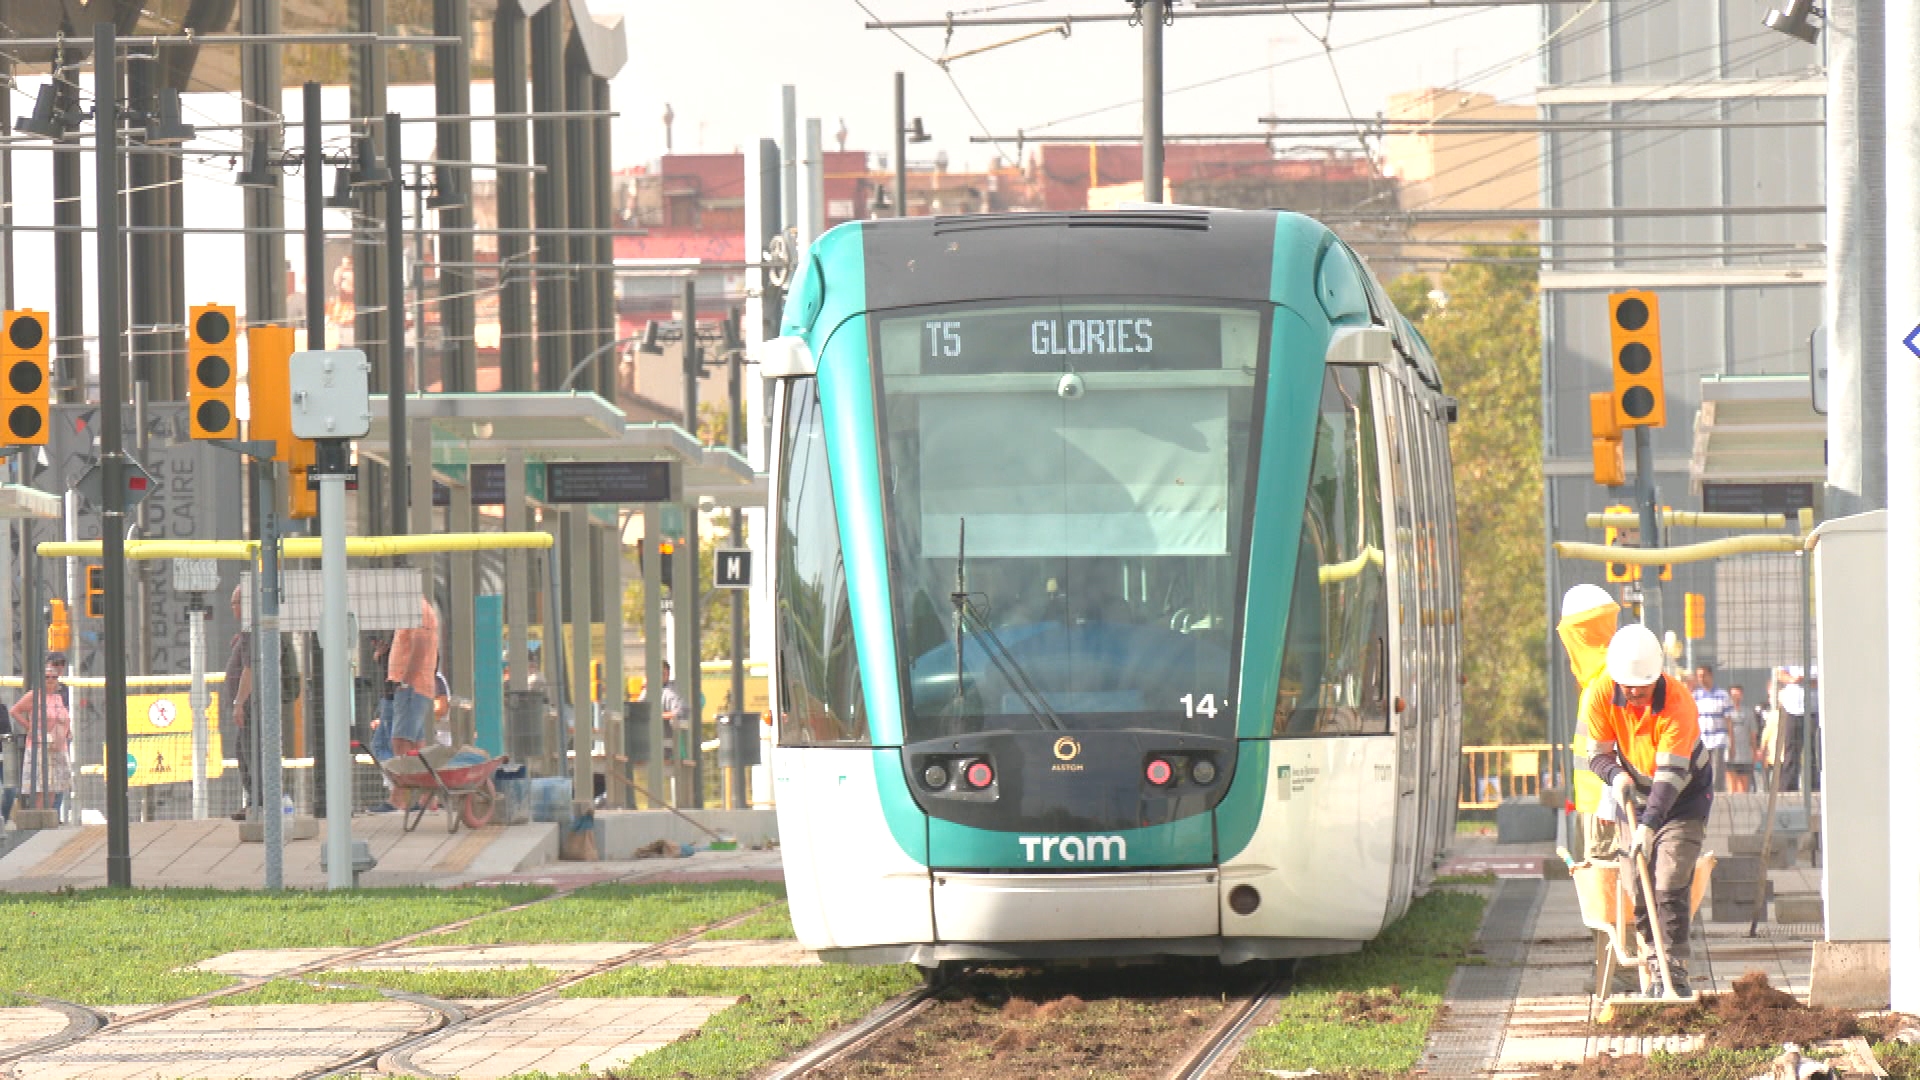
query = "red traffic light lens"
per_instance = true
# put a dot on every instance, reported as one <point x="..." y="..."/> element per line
<point x="1159" y="772"/>
<point x="979" y="775"/>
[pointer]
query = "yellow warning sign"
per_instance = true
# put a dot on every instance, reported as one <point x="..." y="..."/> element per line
<point x="160" y="739"/>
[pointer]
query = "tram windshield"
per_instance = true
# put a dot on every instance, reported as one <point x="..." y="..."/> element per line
<point x="1067" y="488"/>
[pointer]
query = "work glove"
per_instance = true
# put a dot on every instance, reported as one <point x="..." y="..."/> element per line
<point x="1623" y="788"/>
<point x="1643" y="839"/>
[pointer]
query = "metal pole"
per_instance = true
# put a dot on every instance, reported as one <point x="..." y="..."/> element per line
<point x="550" y="199"/>
<point x="266" y="688"/>
<point x="453" y="83"/>
<point x="789" y="156"/>
<point x="315" y="238"/>
<point x="656" y="653"/>
<point x="582" y="248"/>
<point x="69" y="305"/>
<point x="334" y="642"/>
<point x="686" y="631"/>
<point x="737" y="607"/>
<point x="580" y="652"/>
<point x="1649" y="524"/>
<point x="113" y="489"/>
<point x="813" y="219"/>
<point x="689" y="356"/>
<point x="516" y="299"/>
<point x="1855" y="307"/>
<point x="899" y="144"/>
<point x="396" y="332"/>
<point x="197" y="701"/>
<point x="1902" y="185"/>
<point x="1152" y="101"/>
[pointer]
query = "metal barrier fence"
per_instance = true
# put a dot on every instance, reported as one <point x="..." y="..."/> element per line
<point x="1489" y="774"/>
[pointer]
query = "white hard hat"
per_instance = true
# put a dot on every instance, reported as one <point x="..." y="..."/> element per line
<point x="1634" y="657"/>
<point x="1582" y="598"/>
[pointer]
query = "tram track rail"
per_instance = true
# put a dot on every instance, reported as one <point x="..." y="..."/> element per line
<point x="86" y="1022"/>
<point x="1216" y="1050"/>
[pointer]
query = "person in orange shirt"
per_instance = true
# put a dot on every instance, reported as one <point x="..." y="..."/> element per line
<point x="412" y="661"/>
<point x="1646" y="747"/>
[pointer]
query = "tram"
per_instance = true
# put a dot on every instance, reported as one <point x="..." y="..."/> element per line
<point x="1116" y="587"/>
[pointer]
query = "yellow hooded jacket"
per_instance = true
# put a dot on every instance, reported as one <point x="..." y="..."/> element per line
<point x="1586" y="635"/>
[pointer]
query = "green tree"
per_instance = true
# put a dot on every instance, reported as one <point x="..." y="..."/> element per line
<point x="1483" y="321"/>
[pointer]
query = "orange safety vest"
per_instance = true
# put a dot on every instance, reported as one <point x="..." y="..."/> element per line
<point x="1586" y="635"/>
<point x="1656" y="741"/>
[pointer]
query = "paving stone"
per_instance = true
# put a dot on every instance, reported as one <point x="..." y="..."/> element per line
<point x="567" y="1035"/>
<point x="19" y="1027"/>
<point x="255" y="1041"/>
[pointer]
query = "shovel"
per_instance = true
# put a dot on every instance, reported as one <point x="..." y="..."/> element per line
<point x="1646" y="897"/>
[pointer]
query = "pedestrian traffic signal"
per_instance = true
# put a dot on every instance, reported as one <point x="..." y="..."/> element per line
<point x="25" y="396"/>
<point x="1639" y="393"/>
<point x="59" y="627"/>
<point x="1609" y="456"/>
<point x="96" y="591"/>
<point x="212" y="373"/>
<point x="1696" y="616"/>
<point x="1618" y="572"/>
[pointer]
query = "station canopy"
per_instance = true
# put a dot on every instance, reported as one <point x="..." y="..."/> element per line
<point x="483" y="429"/>
<point x="1757" y="429"/>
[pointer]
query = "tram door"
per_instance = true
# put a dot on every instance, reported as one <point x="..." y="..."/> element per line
<point x="1404" y="612"/>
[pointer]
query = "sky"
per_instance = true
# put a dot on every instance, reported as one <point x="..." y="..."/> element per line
<point x="724" y="84"/>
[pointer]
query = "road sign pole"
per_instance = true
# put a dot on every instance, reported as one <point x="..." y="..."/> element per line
<point x="197" y="701"/>
<point x="266" y="688"/>
<point x="113" y="533"/>
<point x="331" y="467"/>
<point x="1649" y="524"/>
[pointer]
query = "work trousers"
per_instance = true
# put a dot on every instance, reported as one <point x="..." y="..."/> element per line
<point x="1602" y="837"/>
<point x="1676" y="848"/>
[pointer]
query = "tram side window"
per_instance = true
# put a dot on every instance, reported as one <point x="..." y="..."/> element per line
<point x="1333" y="668"/>
<point x="820" y="695"/>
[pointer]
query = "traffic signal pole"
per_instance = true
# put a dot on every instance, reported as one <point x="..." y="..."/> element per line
<point x="1650" y="585"/>
<point x="113" y="512"/>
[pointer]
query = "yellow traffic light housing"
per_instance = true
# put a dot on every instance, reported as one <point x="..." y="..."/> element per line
<point x="1618" y="572"/>
<point x="213" y="372"/>
<point x="269" y="395"/>
<point x="1639" y="389"/>
<point x="59" y="627"/>
<point x="96" y="591"/>
<point x="1609" y="455"/>
<point x="26" y="397"/>
<point x="1696" y="616"/>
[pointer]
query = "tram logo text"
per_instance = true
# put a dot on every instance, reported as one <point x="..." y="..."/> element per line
<point x="1075" y="848"/>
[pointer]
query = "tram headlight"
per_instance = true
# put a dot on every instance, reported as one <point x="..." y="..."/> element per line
<point x="1204" y="772"/>
<point x="936" y="776"/>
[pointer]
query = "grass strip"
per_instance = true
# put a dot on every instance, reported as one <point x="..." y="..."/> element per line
<point x="130" y="946"/>
<point x="294" y="992"/>
<point x="781" y="1010"/>
<point x="1368" y="1012"/>
<point x="452" y="985"/>
<point x="772" y="924"/>
<point x="638" y="913"/>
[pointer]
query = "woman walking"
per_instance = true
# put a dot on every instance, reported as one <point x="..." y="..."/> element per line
<point x="47" y="777"/>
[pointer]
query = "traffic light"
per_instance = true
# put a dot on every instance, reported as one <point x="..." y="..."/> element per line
<point x="666" y="562"/>
<point x="1696" y="616"/>
<point x="212" y="373"/>
<point x="96" y="591"/>
<point x="599" y="668"/>
<point x="25" y="396"/>
<point x="1609" y="455"/>
<point x="1639" y="393"/>
<point x="1618" y="571"/>
<point x="59" y="627"/>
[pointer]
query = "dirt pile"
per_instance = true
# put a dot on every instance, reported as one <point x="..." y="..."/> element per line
<point x="1755" y="1014"/>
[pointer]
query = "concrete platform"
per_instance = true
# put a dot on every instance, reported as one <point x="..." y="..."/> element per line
<point x="210" y="854"/>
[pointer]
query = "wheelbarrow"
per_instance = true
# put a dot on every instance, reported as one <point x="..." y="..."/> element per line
<point x="459" y="781"/>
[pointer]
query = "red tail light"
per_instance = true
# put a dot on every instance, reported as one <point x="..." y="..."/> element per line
<point x="979" y="775"/>
<point x="1159" y="772"/>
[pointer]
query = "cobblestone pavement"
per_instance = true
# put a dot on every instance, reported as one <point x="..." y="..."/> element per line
<point x="562" y="1036"/>
<point x="261" y="1042"/>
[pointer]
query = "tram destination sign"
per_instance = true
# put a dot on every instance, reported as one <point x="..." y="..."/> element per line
<point x="1091" y="339"/>
<point x="609" y="481"/>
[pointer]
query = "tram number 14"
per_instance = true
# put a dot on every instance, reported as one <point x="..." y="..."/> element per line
<point x="1203" y="706"/>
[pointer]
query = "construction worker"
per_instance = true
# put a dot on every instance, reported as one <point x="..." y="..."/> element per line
<point x="1646" y="747"/>
<point x="1588" y="619"/>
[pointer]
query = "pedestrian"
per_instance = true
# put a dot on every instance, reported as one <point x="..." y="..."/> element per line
<point x="239" y="733"/>
<point x="412" y="662"/>
<point x="1588" y="619"/>
<point x="1742" y="742"/>
<point x="670" y="708"/>
<point x="1646" y="746"/>
<point x="1713" y="704"/>
<point x="47" y="772"/>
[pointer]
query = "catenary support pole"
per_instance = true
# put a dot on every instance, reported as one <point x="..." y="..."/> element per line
<point x="689" y="356"/>
<point x="613" y="684"/>
<point x="737" y="598"/>
<point x="113" y="512"/>
<point x="580" y="654"/>
<point x="1152" y="101"/>
<point x="813" y="221"/>
<point x="398" y="518"/>
<point x="516" y="283"/>
<point x="313" y="177"/>
<point x="1855" y="297"/>
<point x="899" y="144"/>
<point x="1902" y="185"/>
<point x="69" y="303"/>
<point x="268" y="739"/>
<point x="453" y="89"/>
<point x="656" y="652"/>
<point x="197" y="701"/>
<point x="550" y="149"/>
<point x="789" y="156"/>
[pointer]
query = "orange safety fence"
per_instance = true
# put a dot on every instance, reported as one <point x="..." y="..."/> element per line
<point x="1489" y="774"/>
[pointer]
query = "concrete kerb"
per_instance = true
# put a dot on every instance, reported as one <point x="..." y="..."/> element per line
<point x="621" y="832"/>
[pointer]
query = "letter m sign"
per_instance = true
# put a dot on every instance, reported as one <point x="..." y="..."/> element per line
<point x="732" y="568"/>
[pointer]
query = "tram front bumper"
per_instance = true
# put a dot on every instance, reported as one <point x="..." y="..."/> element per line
<point x="1076" y="907"/>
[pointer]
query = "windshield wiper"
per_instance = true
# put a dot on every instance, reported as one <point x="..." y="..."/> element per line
<point x="996" y="650"/>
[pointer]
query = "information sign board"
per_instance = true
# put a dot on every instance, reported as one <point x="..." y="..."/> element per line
<point x="609" y="481"/>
